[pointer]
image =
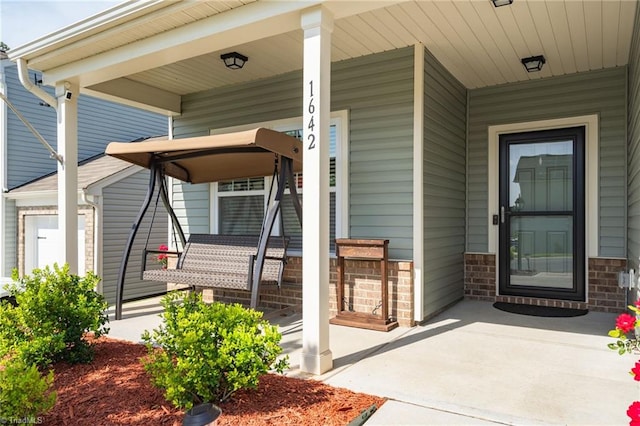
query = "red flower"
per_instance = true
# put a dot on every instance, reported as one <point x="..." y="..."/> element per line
<point x="634" y="413"/>
<point x="635" y="371"/>
<point x="625" y="322"/>
<point x="162" y="258"/>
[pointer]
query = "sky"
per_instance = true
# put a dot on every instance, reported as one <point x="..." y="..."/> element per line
<point x="22" y="21"/>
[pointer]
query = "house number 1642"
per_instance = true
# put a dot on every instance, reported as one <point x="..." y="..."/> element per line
<point x="311" y="136"/>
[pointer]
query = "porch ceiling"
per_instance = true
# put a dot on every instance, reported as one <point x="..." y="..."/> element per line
<point x="174" y="48"/>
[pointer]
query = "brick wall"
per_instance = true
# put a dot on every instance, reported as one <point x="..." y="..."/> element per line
<point x="480" y="276"/>
<point x="603" y="294"/>
<point x="362" y="289"/>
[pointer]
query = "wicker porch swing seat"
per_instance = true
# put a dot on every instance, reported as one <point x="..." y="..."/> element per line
<point x="224" y="261"/>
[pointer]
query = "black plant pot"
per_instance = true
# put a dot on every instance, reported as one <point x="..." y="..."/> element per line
<point x="202" y="415"/>
<point x="10" y="299"/>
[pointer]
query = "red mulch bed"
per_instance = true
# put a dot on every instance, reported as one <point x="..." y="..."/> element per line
<point x="115" y="390"/>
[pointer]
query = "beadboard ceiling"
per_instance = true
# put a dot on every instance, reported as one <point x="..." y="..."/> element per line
<point x="481" y="45"/>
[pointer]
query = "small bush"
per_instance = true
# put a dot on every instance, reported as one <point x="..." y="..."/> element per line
<point x="205" y="352"/>
<point x="55" y="309"/>
<point x="24" y="392"/>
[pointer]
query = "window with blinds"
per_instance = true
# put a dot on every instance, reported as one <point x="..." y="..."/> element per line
<point x="242" y="203"/>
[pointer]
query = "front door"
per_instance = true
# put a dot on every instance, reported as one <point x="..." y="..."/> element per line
<point x="542" y="202"/>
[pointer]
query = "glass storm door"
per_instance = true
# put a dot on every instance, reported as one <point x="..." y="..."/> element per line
<point x="541" y="216"/>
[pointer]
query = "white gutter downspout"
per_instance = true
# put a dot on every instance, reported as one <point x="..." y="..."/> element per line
<point x="23" y="75"/>
<point x="96" y="204"/>
<point x="3" y="171"/>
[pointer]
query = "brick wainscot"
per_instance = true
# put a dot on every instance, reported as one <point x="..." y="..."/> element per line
<point x="603" y="293"/>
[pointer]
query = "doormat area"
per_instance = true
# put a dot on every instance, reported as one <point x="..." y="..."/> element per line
<point x="539" y="311"/>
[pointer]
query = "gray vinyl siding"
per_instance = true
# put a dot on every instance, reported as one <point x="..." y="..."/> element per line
<point x="378" y="92"/>
<point x="444" y="186"/>
<point x="121" y="203"/>
<point x="191" y="205"/>
<point x="597" y="92"/>
<point x="10" y="237"/>
<point x="633" y="161"/>
<point x="99" y="122"/>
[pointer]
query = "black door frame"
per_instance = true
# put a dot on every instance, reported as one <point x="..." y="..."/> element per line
<point x="578" y="290"/>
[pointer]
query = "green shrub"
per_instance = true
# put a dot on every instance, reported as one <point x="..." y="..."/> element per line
<point x="54" y="311"/>
<point x="24" y="392"/>
<point x="205" y="352"/>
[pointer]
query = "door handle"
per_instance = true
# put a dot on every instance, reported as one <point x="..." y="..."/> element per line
<point x="501" y="214"/>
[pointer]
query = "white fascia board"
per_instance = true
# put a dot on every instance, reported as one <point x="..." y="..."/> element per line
<point x="43" y="197"/>
<point x="37" y="198"/>
<point x="57" y="40"/>
<point x="133" y="93"/>
<point x="238" y="26"/>
<point x="28" y="195"/>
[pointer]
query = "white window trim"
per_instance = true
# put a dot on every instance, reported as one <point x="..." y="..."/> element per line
<point x="592" y="177"/>
<point x="339" y="119"/>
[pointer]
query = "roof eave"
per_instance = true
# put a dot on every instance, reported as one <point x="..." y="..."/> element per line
<point x="85" y="28"/>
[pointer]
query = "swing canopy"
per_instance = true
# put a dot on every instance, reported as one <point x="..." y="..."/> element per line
<point x="213" y="158"/>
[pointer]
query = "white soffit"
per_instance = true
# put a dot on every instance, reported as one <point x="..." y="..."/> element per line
<point x="479" y="44"/>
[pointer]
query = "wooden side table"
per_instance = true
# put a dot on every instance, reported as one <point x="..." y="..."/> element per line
<point x="363" y="249"/>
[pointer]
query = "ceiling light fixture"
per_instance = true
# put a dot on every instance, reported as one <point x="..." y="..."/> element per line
<point x="533" y="63"/>
<point x="498" y="3"/>
<point x="234" y="60"/>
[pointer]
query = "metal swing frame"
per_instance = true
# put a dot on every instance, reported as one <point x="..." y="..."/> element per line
<point x="165" y="159"/>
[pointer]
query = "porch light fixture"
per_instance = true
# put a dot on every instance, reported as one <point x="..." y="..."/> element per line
<point x="234" y="60"/>
<point x="498" y="3"/>
<point x="533" y="63"/>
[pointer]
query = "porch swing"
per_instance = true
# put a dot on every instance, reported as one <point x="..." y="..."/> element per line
<point x="217" y="261"/>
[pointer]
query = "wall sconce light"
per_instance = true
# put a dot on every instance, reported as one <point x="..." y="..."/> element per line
<point x="498" y="3"/>
<point x="533" y="63"/>
<point x="234" y="60"/>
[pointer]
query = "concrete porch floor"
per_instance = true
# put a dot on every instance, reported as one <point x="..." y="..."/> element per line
<point x="470" y="365"/>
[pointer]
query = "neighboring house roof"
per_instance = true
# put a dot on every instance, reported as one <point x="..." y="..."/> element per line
<point x="91" y="172"/>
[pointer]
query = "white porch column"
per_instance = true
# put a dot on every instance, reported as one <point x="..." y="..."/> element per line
<point x="67" y="96"/>
<point x="317" y="24"/>
<point x="418" y="182"/>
